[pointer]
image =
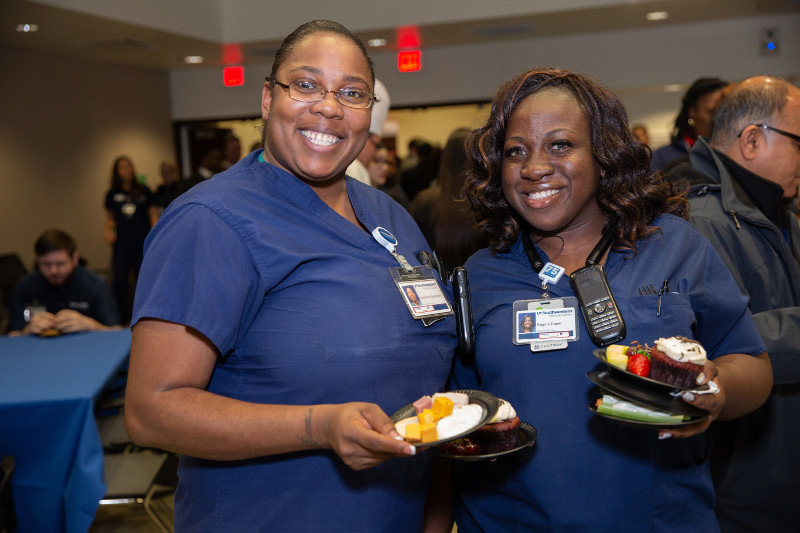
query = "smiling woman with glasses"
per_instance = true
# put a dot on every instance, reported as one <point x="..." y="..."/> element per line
<point x="270" y="339"/>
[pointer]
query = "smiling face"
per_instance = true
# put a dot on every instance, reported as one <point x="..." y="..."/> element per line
<point x="316" y="141"/>
<point x="549" y="175"/>
<point x="527" y="323"/>
<point x="412" y="296"/>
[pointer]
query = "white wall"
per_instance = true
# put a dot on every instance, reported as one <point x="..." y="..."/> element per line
<point x="634" y="63"/>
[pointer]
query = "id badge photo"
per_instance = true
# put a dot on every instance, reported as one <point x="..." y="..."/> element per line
<point x="545" y="324"/>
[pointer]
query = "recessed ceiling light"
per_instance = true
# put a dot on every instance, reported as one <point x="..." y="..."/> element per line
<point x="27" y="28"/>
<point x="657" y="15"/>
<point x="193" y="60"/>
<point x="376" y="42"/>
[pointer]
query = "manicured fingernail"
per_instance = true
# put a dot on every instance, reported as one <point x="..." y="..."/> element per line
<point x="411" y="450"/>
<point x="700" y="377"/>
<point x="397" y="437"/>
<point x="688" y="396"/>
<point x="665" y="436"/>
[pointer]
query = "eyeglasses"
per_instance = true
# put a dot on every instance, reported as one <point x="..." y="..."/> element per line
<point x="305" y="91"/>
<point x="792" y="136"/>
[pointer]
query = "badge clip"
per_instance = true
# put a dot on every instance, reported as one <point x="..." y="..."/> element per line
<point x="551" y="273"/>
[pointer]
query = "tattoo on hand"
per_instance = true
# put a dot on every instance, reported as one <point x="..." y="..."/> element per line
<point x="307" y="438"/>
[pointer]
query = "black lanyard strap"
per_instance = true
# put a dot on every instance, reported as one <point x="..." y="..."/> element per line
<point x="594" y="257"/>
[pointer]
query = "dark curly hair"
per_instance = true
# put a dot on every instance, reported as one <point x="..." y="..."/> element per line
<point x="628" y="196"/>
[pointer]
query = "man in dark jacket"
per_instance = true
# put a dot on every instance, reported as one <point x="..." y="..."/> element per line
<point x="744" y="185"/>
<point x="61" y="296"/>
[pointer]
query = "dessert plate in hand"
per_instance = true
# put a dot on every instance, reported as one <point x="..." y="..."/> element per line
<point x="601" y="354"/>
<point x="631" y="390"/>
<point x="488" y="402"/>
<point x="526" y="436"/>
<point x="645" y="424"/>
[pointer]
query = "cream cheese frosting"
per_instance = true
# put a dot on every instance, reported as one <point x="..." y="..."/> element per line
<point x="682" y="349"/>
<point x="462" y="420"/>
<point x="504" y="412"/>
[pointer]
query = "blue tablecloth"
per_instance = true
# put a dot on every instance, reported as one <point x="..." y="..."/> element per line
<point x="48" y="387"/>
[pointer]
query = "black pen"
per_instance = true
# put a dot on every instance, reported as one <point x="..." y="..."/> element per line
<point x="664" y="288"/>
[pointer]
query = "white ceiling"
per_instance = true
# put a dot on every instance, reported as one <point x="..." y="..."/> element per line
<point x="160" y="33"/>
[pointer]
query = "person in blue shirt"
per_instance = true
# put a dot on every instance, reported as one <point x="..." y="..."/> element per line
<point x="282" y="426"/>
<point x="61" y="296"/>
<point x="556" y="164"/>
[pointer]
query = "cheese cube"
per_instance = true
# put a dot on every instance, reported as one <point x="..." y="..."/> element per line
<point x="427" y="417"/>
<point x="428" y="432"/>
<point x="413" y="433"/>
<point x="442" y="407"/>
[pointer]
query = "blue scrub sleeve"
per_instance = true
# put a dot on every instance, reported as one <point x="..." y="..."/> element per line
<point x="198" y="271"/>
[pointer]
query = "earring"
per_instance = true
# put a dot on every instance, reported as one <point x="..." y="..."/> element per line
<point x="690" y="122"/>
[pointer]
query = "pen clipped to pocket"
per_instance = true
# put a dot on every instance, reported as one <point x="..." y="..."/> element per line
<point x="648" y="289"/>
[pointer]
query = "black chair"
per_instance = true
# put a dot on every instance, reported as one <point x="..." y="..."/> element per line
<point x="11" y="271"/>
<point x="8" y="516"/>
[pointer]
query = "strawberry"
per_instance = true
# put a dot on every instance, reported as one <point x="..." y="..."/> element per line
<point x="639" y="364"/>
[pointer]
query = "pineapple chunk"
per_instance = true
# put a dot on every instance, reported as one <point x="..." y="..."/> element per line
<point x="615" y="355"/>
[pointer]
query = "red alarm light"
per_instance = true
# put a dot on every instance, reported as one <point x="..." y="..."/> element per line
<point x="409" y="61"/>
<point x="233" y="76"/>
<point x="408" y="37"/>
<point x="231" y="53"/>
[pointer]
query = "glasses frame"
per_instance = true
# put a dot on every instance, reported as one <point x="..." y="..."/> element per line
<point x="792" y="136"/>
<point x="372" y="98"/>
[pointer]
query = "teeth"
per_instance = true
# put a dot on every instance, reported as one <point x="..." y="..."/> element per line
<point x="320" y="139"/>
<point x="544" y="194"/>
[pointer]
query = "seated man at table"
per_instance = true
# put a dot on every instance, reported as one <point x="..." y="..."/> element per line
<point x="61" y="296"/>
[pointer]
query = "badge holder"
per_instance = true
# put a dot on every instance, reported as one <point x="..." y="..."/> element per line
<point x="598" y="308"/>
<point x="418" y="287"/>
<point x="546" y="324"/>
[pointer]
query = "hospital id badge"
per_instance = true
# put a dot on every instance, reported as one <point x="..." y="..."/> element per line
<point x="422" y="294"/>
<point x="545" y="324"/>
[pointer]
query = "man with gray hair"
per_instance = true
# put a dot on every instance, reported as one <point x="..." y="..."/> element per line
<point x="743" y="197"/>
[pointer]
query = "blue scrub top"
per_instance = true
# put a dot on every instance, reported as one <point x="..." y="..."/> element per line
<point x="303" y="309"/>
<point x="586" y="473"/>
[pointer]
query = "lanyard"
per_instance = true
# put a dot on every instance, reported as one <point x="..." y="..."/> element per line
<point x="594" y="257"/>
<point x="550" y="272"/>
